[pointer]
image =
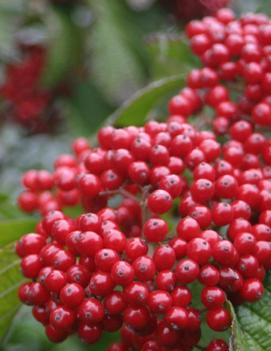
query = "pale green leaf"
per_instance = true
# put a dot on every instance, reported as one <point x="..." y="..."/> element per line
<point x="251" y="328"/>
<point x="64" y="49"/>
<point x="10" y="275"/>
<point x="135" y="110"/>
<point x="115" y="68"/>
<point x="169" y="55"/>
<point x="11" y="230"/>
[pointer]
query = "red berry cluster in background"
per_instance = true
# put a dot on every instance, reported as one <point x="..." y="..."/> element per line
<point x="123" y="264"/>
<point x="26" y="101"/>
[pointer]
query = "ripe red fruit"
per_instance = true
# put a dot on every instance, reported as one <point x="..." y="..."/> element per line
<point x="218" y="319"/>
<point x="155" y="230"/>
<point x="188" y="228"/>
<point x="159" y="201"/>
<point x="72" y="295"/>
<point x="90" y="311"/>
<point x="186" y="271"/>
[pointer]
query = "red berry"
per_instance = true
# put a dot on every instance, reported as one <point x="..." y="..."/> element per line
<point x="186" y="271"/>
<point x="218" y="319"/>
<point x="72" y="295"/>
<point x="212" y="297"/>
<point x="159" y="201"/>
<point x="155" y="230"/>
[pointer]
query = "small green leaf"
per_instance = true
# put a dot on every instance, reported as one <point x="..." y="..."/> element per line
<point x="10" y="275"/>
<point x="135" y="110"/>
<point x="64" y="49"/>
<point x="169" y="55"/>
<point x="11" y="278"/>
<point x="12" y="229"/>
<point x="251" y="327"/>
<point x="86" y="109"/>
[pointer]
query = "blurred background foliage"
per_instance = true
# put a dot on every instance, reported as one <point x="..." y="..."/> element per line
<point x="92" y="57"/>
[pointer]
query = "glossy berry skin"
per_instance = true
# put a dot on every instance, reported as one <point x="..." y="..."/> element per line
<point x="222" y="214"/>
<point x="30" y="266"/>
<point x="188" y="228"/>
<point x="30" y="244"/>
<point x="135" y="247"/>
<point x="186" y="271"/>
<point x="114" y="303"/>
<point x="202" y="190"/>
<point x="89" y="243"/>
<point x="177" y="317"/>
<point x="55" y="335"/>
<point x="136" y="318"/>
<point x="136" y="294"/>
<point x="89" y="333"/>
<point x="217" y="345"/>
<point x="218" y="319"/>
<point x="199" y="250"/>
<point x="252" y="290"/>
<point x="181" y="296"/>
<point x="105" y="259"/>
<point x="224" y="253"/>
<point x="55" y="281"/>
<point x="144" y="268"/>
<point x="62" y="318"/>
<point x="212" y="297"/>
<point x="164" y="257"/>
<point x="165" y="280"/>
<point x="245" y="243"/>
<point x="122" y="273"/>
<point x="91" y="311"/>
<point x="159" y="301"/>
<point x="172" y="184"/>
<point x="72" y="295"/>
<point x="155" y="230"/>
<point x="209" y="275"/>
<point x="101" y="284"/>
<point x="159" y="201"/>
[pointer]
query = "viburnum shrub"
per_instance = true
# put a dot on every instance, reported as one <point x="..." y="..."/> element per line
<point x="165" y="207"/>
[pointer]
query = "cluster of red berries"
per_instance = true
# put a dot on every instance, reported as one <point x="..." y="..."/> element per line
<point x="165" y="208"/>
<point x="235" y="79"/>
<point x="26" y="101"/>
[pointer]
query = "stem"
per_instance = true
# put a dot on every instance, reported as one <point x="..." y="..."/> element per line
<point x="126" y="193"/>
<point x="121" y="192"/>
<point x="145" y="211"/>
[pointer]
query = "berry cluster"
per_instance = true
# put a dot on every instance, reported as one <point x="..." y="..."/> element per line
<point x="165" y="208"/>
<point x="26" y="101"/>
<point x="236" y="74"/>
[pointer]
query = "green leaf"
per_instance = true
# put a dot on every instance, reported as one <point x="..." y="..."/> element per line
<point x="135" y="110"/>
<point x="12" y="229"/>
<point x="263" y="6"/>
<point x="64" y="49"/>
<point x="10" y="275"/>
<point x="86" y="109"/>
<point x="169" y="55"/>
<point x="115" y="67"/>
<point x="251" y="328"/>
<point x="11" y="278"/>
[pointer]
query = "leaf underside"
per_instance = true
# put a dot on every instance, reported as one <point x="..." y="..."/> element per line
<point x="251" y="329"/>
